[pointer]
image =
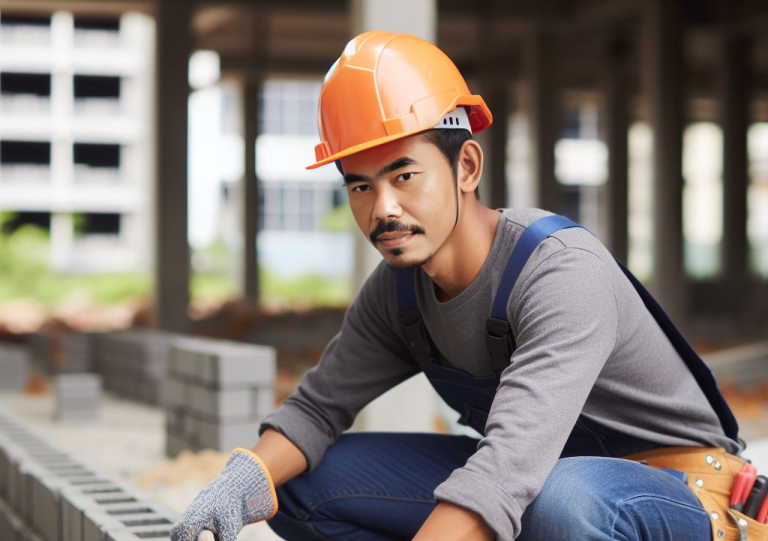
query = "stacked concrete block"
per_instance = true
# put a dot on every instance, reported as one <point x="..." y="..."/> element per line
<point x="217" y="393"/>
<point x="60" y="351"/>
<point x="77" y="396"/>
<point x="46" y="494"/>
<point x="14" y="367"/>
<point x="133" y="363"/>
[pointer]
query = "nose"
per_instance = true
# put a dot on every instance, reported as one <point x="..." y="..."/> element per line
<point x="386" y="206"/>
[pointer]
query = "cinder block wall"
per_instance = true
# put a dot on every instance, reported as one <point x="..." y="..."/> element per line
<point x="217" y="393"/>
<point x="48" y="494"/>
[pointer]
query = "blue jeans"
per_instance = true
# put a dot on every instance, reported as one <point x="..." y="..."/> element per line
<point x="378" y="487"/>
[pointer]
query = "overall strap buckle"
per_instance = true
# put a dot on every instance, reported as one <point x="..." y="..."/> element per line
<point x="499" y="341"/>
<point x="415" y="334"/>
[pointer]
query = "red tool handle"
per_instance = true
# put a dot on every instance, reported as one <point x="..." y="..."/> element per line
<point x="763" y="513"/>
<point x="742" y="485"/>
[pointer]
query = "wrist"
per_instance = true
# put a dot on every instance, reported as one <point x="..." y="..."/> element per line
<point x="267" y="476"/>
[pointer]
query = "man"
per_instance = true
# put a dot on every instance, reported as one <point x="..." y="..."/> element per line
<point x="570" y="372"/>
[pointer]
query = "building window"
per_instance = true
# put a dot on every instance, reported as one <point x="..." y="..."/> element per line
<point x="37" y="84"/>
<point x="295" y="206"/>
<point x="25" y="152"/>
<point x="96" y="86"/>
<point x="106" y="24"/>
<point x="289" y="107"/>
<point x="25" y="30"/>
<point x="20" y="219"/>
<point x="97" y="32"/>
<point x="97" y="155"/>
<point x="99" y="223"/>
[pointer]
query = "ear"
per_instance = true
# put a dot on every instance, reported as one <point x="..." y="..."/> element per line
<point x="469" y="166"/>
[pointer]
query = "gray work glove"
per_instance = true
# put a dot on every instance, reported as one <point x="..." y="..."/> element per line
<point x="242" y="494"/>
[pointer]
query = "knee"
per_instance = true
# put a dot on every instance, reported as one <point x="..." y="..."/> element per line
<point x="596" y="498"/>
<point x="572" y="499"/>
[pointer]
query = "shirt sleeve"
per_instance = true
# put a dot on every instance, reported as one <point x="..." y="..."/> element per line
<point x="565" y="319"/>
<point x="365" y="359"/>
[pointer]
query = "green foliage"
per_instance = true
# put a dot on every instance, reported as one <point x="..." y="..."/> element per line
<point x="311" y="290"/>
<point x="25" y="273"/>
<point x="338" y="220"/>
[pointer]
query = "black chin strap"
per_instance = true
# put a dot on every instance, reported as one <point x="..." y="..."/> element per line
<point x="457" y="203"/>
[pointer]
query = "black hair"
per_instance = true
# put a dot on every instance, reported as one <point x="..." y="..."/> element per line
<point x="448" y="141"/>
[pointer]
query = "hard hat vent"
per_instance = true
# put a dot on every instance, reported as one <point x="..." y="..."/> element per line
<point x="455" y="120"/>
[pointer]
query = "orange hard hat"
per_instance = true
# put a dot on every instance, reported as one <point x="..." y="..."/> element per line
<point x="387" y="86"/>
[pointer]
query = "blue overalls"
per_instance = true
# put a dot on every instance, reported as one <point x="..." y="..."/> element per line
<point x="472" y="396"/>
<point x="379" y="486"/>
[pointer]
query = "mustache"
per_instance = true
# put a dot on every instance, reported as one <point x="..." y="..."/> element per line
<point x="392" y="227"/>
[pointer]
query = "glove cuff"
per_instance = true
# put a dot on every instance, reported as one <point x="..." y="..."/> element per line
<point x="266" y="474"/>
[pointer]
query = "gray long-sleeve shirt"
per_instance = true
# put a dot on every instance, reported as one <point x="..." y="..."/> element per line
<point x="585" y="344"/>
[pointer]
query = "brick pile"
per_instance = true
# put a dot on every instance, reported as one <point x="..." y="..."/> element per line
<point x="47" y="494"/>
<point x="57" y="350"/>
<point x="217" y="393"/>
<point x="133" y="363"/>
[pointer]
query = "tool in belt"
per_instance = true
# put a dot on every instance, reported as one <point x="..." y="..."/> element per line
<point x="726" y="485"/>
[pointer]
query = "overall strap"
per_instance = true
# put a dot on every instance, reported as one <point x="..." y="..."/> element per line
<point x="410" y="317"/>
<point x="701" y="372"/>
<point x="498" y="335"/>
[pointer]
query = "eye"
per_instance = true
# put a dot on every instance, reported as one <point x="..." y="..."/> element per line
<point x="360" y="188"/>
<point x="406" y="176"/>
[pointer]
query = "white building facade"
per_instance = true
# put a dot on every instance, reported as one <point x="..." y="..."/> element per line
<point x="76" y="137"/>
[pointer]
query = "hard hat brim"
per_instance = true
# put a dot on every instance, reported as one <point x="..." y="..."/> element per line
<point x="483" y="117"/>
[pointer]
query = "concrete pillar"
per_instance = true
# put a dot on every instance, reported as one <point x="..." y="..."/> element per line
<point x="172" y="247"/>
<point x="663" y="62"/>
<point x="617" y="139"/>
<point x="539" y="66"/>
<point x="412" y="405"/>
<point x="494" y="191"/>
<point x="62" y="238"/>
<point x="735" y="122"/>
<point x="249" y="268"/>
<point x="371" y="15"/>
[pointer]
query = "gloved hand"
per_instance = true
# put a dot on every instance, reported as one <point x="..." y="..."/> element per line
<point x="242" y="494"/>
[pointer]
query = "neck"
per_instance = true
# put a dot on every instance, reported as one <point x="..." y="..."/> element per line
<point x="460" y="259"/>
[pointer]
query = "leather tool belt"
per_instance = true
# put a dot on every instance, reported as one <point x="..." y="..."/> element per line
<point x="710" y="472"/>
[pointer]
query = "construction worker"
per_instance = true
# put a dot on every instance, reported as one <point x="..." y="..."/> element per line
<point x="522" y="321"/>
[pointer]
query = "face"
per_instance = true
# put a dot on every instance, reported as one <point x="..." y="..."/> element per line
<point x="402" y="196"/>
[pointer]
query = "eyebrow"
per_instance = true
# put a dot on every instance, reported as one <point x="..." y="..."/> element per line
<point x="349" y="178"/>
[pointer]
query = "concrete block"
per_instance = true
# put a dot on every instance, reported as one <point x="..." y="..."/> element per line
<point x="46" y="513"/>
<point x="175" y="444"/>
<point x="263" y="402"/>
<point x="174" y="420"/>
<point x="233" y="364"/>
<point x="191" y="429"/>
<point x="226" y="436"/>
<point x="74" y="504"/>
<point x="78" y="384"/>
<point x="14" y="365"/>
<point x="11" y="526"/>
<point x="174" y="393"/>
<point x="78" y="396"/>
<point x="155" y="533"/>
<point x="220" y="404"/>
<point x="184" y="361"/>
<point x="97" y="524"/>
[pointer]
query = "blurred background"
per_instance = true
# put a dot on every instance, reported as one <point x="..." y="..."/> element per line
<point x="152" y="160"/>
